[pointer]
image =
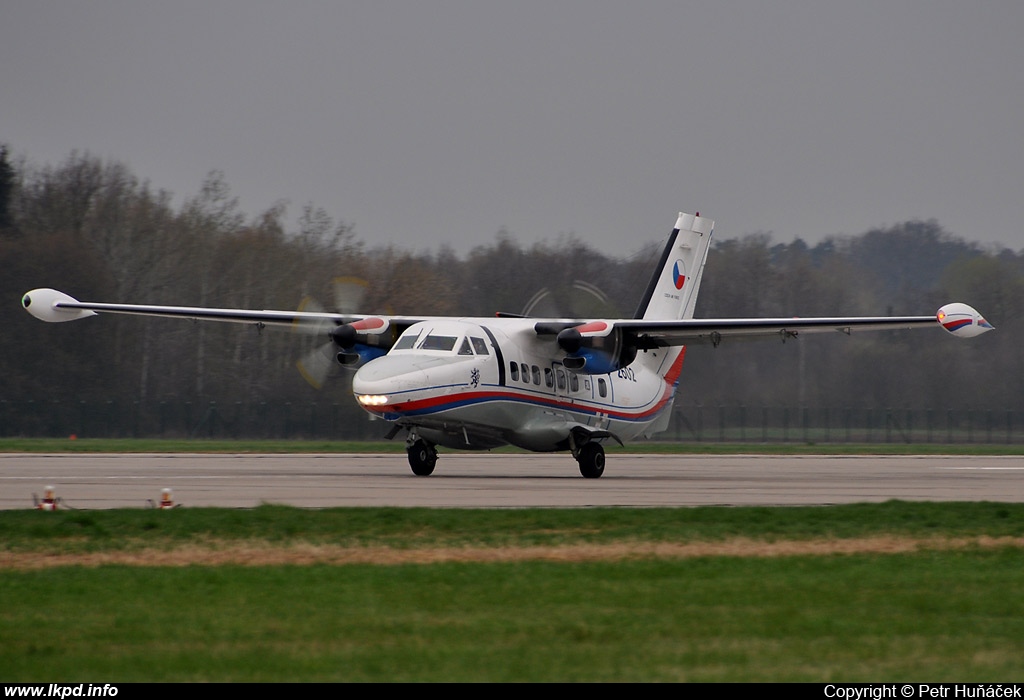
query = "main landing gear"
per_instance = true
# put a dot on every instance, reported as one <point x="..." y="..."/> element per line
<point x="591" y="460"/>
<point x="585" y="445"/>
<point x="422" y="457"/>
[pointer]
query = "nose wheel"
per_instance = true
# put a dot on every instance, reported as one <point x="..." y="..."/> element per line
<point x="591" y="460"/>
<point x="422" y="457"/>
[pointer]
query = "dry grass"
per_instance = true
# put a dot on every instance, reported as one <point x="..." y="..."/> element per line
<point x="258" y="553"/>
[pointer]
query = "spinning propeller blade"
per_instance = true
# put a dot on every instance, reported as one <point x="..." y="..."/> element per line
<point x="317" y="364"/>
<point x="580" y="300"/>
<point x="320" y="363"/>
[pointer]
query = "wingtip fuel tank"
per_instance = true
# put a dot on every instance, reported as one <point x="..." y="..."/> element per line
<point x="962" y="320"/>
<point x="45" y="304"/>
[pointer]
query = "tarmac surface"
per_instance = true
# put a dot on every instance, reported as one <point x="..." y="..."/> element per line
<point x="484" y="480"/>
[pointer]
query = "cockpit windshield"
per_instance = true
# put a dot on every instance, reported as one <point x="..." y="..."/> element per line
<point x="446" y="339"/>
<point x="438" y="342"/>
<point x="407" y="341"/>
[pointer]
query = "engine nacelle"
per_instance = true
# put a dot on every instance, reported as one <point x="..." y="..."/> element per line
<point x="962" y="320"/>
<point x="362" y="341"/>
<point x="595" y="348"/>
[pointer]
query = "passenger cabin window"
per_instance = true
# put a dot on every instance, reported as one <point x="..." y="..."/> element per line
<point x="439" y="342"/>
<point x="526" y="372"/>
<point x="536" y="374"/>
<point x="480" y="346"/>
<point x="547" y="378"/>
<point x="513" y="371"/>
<point x="560" y="379"/>
<point x="574" y="382"/>
<point x="466" y="348"/>
<point x="602" y="388"/>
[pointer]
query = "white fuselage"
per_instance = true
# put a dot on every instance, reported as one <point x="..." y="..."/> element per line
<point x="482" y="383"/>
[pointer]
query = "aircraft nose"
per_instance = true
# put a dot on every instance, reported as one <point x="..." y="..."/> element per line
<point x="384" y="381"/>
<point x="396" y="372"/>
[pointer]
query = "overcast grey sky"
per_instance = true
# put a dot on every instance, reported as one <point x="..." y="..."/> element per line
<point x="425" y="123"/>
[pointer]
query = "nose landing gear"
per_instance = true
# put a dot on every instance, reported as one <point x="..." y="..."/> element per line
<point x="422" y="457"/>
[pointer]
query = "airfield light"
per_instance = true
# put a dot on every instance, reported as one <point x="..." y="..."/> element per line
<point x="50" y="500"/>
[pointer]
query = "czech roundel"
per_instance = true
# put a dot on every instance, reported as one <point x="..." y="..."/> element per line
<point x="678" y="275"/>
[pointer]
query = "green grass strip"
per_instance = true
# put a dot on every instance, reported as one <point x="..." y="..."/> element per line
<point x="949" y="616"/>
<point x="953" y="614"/>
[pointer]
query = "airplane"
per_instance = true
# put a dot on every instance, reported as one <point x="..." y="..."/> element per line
<point x="542" y="384"/>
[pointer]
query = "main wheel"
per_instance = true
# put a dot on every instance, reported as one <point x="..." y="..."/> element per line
<point x="591" y="459"/>
<point x="422" y="458"/>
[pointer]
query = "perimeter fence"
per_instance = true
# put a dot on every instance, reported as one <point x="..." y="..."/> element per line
<point x="345" y="421"/>
<point x="780" y="424"/>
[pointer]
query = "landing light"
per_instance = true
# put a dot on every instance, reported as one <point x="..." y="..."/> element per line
<point x="372" y="400"/>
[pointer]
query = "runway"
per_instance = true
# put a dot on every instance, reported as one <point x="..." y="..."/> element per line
<point x="483" y="480"/>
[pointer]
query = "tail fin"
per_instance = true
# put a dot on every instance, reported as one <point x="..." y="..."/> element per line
<point x="672" y="292"/>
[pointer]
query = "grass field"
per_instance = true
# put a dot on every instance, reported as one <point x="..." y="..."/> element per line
<point x="870" y="592"/>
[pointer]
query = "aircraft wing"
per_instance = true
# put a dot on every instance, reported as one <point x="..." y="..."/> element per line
<point x="51" y="305"/>
<point x="606" y="345"/>
<point x="958" y="319"/>
<point x="653" y="334"/>
<point x="349" y="339"/>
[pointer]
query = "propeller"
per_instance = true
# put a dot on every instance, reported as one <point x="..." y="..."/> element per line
<point x="320" y="363"/>
<point x="578" y="300"/>
<point x="349" y="294"/>
<point x="588" y="346"/>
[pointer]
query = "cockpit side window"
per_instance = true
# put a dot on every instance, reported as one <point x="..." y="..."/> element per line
<point x="465" y="348"/>
<point x="480" y="346"/>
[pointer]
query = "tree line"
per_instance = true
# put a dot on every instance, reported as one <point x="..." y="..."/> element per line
<point x="94" y="229"/>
